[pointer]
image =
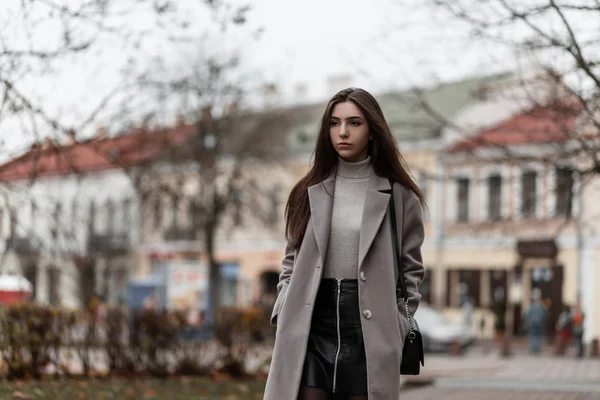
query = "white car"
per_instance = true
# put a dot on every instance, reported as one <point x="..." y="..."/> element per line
<point x="439" y="333"/>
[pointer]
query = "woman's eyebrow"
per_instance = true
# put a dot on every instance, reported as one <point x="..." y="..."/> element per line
<point x="352" y="117"/>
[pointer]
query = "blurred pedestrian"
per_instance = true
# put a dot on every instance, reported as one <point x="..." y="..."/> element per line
<point x="340" y="307"/>
<point x="467" y="309"/>
<point x="577" y="329"/>
<point x="536" y="322"/>
<point x="563" y="328"/>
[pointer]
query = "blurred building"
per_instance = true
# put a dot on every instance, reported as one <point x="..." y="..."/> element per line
<point x="517" y="215"/>
<point x="258" y="247"/>
<point x="79" y="218"/>
<point x="69" y="217"/>
<point x="497" y="223"/>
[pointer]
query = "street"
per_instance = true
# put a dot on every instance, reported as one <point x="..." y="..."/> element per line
<point x="435" y="393"/>
<point x="485" y="375"/>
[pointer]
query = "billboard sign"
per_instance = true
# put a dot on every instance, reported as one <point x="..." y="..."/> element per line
<point x="187" y="285"/>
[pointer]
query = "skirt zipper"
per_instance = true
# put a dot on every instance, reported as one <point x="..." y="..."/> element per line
<point x="339" y="338"/>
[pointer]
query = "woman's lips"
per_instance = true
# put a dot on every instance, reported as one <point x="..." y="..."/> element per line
<point x="344" y="145"/>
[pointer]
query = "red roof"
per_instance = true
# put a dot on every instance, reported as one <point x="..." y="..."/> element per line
<point x="540" y="124"/>
<point x="94" y="155"/>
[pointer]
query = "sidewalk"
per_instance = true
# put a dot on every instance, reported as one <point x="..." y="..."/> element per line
<point x="436" y="393"/>
<point x="520" y="367"/>
<point x="546" y="368"/>
<point x="484" y="374"/>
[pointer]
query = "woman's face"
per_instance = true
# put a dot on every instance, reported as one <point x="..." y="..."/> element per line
<point x="349" y="132"/>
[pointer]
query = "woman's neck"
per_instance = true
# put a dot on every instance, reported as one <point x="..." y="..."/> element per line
<point x="354" y="170"/>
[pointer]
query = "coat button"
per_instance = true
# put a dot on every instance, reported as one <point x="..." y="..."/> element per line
<point x="363" y="277"/>
<point x="367" y="313"/>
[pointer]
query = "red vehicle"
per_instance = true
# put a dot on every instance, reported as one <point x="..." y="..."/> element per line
<point x="14" y="289"/>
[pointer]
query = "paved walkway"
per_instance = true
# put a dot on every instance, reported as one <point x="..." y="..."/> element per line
<point x="517" y="368"/>
<point x="436" y="393"/>
<point x="551" y="369"/>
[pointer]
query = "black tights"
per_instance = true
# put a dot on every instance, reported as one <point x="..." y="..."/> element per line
<point x="311" y="393"/>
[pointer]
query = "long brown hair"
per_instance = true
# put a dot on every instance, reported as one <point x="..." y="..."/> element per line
<point x="383" y="149"/>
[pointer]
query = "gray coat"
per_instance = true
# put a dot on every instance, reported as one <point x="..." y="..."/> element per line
<point x="385" y="325"/>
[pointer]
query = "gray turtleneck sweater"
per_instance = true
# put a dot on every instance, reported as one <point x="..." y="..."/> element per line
<point x="348" y="202"/>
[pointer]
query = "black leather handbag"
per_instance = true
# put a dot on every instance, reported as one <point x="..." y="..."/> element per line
<point x="412" y="353"/>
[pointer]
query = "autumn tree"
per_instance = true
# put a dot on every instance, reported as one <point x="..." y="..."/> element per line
<point x="71" y="69"/>
<point x="214" y="181"/>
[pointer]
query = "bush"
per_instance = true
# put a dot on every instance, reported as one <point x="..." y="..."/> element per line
<point x="236" y="330"/>
<point x="31" y="337"/>
<point x="153" y="339"/>
<point x="34" y="337"/>
<point x="117" y="350"/>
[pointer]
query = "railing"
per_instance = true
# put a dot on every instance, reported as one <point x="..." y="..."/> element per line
<point x="24" y="245"/>
<point x="175" y="233"/>
<point x="109" y="243"/>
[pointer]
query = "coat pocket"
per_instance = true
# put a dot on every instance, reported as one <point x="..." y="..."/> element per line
<point x="278" y="306"/>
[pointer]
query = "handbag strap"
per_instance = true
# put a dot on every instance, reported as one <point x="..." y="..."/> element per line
<point x="397" y="261"/>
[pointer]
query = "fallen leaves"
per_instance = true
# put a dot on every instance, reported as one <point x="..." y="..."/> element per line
<point x="21" y="395"/>
<point x="181" y="388"/>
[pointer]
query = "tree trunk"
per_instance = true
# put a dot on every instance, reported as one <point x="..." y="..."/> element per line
<point x="214" y="274"/>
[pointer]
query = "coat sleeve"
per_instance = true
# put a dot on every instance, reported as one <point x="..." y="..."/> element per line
<point x="284" y="281"/>
<point x="413" y="235"/>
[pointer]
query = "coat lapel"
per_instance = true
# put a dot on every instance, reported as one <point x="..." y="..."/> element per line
<point x="320" y="197"/>
<point x="376" y="205"/>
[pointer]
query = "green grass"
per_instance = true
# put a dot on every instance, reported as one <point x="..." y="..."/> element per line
<point x="138" y="389"/>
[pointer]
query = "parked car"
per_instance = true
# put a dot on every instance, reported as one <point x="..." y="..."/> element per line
<point x="439" y="333"/>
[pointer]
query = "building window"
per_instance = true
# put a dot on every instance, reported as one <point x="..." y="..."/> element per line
<point x="274" y="205"/>
<point x="462" y="285"/>
<point x="110" y="217"/>
<point x="238" y="196"/>
<point x="92" y="218"/>
<point x="56" y="221"/>
<point x="175" y="203"/>
<point x="127" y="214"/>
<point x="157" y="212"/>
<point x="528" y="194"/>
<point x="74" y="214"/>
<point x="12" y="222"/>
<point x="54" y="286"/>
<point x="34" y="213"/>
<point x="462" y="200"/>
<point x="196" y="216"/>
<point x="469" y="282"/>
<point x="426" y="288"/>
<point x="30" y="273"/>
<point x="498" y="287"/>
<point x="87" y="280"/>
<point x="564" y="192"/>
<point x="495" y="197"/>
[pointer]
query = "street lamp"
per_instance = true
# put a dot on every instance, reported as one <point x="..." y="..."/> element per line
<point x="209" y="142"/>
<point x="208" y="174"/>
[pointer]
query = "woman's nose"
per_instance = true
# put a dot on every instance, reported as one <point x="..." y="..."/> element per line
<point x="343" y="130"/>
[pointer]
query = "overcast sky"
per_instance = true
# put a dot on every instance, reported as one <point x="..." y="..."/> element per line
<point x="381" y="45"/>
<point x="384" y="44"/>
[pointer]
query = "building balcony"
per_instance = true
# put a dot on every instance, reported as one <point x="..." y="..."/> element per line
<point x="24" y="246"/>
<point x="177" y="233"/>
<point x="111" y="243"/>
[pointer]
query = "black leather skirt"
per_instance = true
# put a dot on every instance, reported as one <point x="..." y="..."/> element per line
<point x="335" y="354"/>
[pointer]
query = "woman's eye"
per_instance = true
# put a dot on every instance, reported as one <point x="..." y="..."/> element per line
<point x="333" y="123"/>
<point x="355" y="123"/>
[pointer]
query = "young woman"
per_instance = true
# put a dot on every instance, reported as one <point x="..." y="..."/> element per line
<point x="340" y="322"/>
